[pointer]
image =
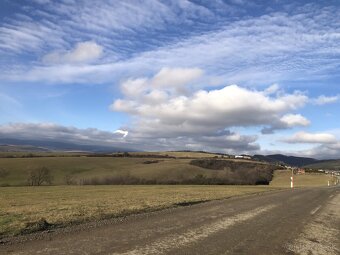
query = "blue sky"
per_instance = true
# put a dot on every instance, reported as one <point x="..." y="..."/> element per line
<point x="231" y="76"/>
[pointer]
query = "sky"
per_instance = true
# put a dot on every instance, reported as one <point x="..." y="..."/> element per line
<point x="230" y="76"/>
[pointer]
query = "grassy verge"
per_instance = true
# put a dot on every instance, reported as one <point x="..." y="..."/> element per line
<point x="21" y="207"/>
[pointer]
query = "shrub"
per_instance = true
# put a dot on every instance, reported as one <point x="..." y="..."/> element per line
<point x="241" y="173"/>
<point x="70" y="180"/>
<point x="39" y="176"/>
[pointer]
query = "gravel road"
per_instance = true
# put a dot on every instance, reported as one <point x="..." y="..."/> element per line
<point x="301" y="221"/>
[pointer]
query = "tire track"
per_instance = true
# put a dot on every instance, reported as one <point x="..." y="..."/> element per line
<point x="176" y="241"/>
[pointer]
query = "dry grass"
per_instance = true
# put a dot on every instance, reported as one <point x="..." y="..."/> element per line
<point x="180" y="154"/>
<point x="282" y="179"/>
<point x="65" y="204"/>
<point x="89" y="167"/>
<point x="330" y="164"/>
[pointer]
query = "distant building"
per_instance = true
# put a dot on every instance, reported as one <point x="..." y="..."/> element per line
<point x="243" y="157"/>
<point x="301" y="171"/>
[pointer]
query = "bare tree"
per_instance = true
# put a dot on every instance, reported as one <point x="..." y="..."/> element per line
<point x="39" y="176"/>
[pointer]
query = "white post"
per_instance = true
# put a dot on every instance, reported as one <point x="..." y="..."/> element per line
<point x="292" y="180"/>
<point x="328" y="183"/>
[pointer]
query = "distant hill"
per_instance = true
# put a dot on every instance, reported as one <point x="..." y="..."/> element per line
<point x="21" y="148"/>
<point x="326" y="164"/>
<point x="40" y="146"/>
<point x="289" y="160"/>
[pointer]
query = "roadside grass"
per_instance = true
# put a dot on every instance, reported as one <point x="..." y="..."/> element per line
<point x="22" y="207"/>
<point x="282" y="179"/>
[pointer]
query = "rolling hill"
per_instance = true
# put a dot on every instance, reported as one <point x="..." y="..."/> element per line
<point x="325" y="164"/>
<point x="289" y="160"/>
<point x="7" y="144"/>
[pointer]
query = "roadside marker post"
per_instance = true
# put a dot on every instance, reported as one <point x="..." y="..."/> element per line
<point x="292" y="180"/>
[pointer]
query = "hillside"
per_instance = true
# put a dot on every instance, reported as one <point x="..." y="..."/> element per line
<point x="44" y="145"/>
<point x="289" y="160"/>
<point x="325" y="164"/>
<point x="21" y="148"/>
<point x="114" y="170"/>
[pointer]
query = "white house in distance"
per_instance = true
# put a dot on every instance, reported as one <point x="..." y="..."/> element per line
<point x="243" y="157"/>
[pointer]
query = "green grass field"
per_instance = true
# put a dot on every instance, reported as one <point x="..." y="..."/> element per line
<point x="61" y="205"/>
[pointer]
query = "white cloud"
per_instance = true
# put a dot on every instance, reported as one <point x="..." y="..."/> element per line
<point x="321" y="100"/>
<point x="175" y="77"/>
<point x="83" y="52"/>
<point x="292" y="120"/>
<point x="167" y="80"/>
<point x="304" y="137"/>
<point x="159" y="112"/>
<point x="122" y="132"/>
<point x="134" y="87"/>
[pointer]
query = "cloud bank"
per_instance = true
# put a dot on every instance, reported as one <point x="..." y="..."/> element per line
<point x="315" y="138"/>
<point x="163" y="111"/>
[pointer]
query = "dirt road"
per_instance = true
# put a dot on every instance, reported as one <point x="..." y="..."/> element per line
<point x="302" y="221"/>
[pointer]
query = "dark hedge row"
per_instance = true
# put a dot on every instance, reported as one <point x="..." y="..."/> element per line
<point x="236" y="172"/>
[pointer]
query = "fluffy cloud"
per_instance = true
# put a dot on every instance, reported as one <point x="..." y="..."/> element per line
<point x="292" y="120"/>
<point x="321" y="100"/>
<point x="175" y="76"/>
<point x="201" y="119"/>
<point x="83" y="52"/>
<point x="205" y="112"/>
<point x="304" y="137"/>
<point x="286" y="121"/>
<point x="167" y="80"/>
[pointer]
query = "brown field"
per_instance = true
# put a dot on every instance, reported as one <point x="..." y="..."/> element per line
<point x="61" y="205"/>
<point x="282" y="179"/>
<point x="101" y="167"/>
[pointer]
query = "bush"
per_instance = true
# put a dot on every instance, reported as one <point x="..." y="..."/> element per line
<point x="70" y="180"/>
<point x="151" y="162"/>
<point x="241" y="173"/>
<point x="39" y="176"/>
